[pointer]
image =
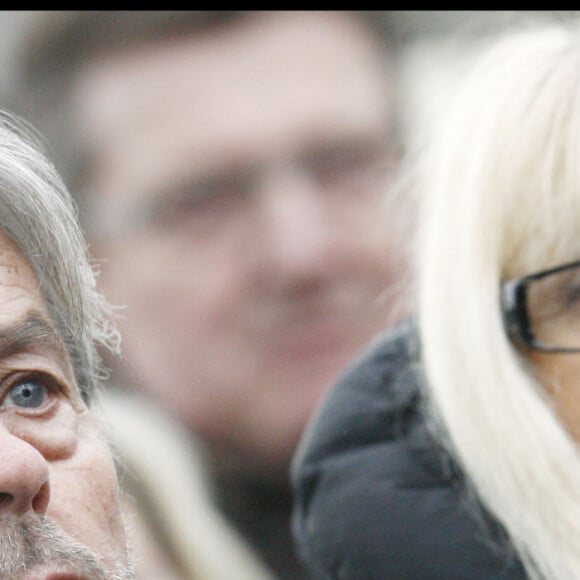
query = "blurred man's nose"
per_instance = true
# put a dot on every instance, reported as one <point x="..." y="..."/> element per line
<point x="24" y="477"/>
<point x="299" y="225"/>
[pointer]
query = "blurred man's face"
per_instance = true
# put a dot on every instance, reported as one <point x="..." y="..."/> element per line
<point x="238" y="188"/>
<point x="59" y="505"/>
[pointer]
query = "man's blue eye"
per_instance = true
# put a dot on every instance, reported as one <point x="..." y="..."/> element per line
<point x="28" y="394"/>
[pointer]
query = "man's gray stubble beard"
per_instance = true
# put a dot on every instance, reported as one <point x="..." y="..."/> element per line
<point x="33" y="542"/>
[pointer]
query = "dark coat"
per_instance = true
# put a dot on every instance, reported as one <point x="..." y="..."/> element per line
<point x="376" y="498"/>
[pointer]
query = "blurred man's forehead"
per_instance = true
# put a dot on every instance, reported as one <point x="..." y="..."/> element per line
<point x="276" y="82"/>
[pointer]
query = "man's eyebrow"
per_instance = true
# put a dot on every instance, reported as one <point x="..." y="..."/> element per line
<point x="31" y="334"/>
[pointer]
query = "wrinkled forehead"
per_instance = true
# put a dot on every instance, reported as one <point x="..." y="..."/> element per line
<point x="15" y="270"/>
<point x="25" y="323"/>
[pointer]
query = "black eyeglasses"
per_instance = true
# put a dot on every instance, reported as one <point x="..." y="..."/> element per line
<point x="542" y="310"/>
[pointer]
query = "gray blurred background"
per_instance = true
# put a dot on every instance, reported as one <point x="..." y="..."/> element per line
<point x="431" y="57"/>
<point x="413" y="25"/>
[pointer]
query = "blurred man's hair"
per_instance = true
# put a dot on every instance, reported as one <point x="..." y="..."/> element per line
<point x="58" y="44"/>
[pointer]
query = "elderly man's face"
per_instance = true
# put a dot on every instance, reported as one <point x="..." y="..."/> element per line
<point x="59" y="504"/>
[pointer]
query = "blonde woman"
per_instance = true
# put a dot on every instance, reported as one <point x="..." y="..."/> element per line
<point x="450" y="448"/>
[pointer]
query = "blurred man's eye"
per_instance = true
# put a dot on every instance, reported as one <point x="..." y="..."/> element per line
<point x="333" y="166"/>
<point x="201" y="200"/>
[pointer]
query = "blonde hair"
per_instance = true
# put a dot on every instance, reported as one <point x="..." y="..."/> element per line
<point x="183" y="519"/>
<point x="501" y="197"/>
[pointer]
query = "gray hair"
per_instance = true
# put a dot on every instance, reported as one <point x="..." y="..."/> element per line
<point x="37" y="212"/>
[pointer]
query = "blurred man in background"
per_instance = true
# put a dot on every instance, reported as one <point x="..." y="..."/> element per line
<point x="231" y="171"/>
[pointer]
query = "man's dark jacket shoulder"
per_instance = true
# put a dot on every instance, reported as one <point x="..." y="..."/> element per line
<point x="376" y="498"/>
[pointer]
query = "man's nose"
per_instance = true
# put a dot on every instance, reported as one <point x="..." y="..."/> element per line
<point x="24" y="477"/>
<point x="299" y="224"/>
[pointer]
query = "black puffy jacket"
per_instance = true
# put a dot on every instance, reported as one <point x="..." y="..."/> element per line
<point x="376" y="498"/>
